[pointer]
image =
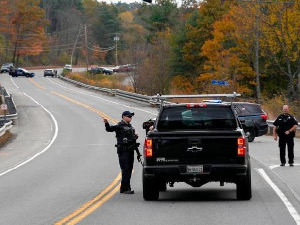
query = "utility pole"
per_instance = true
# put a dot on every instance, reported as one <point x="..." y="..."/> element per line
<point x="87" y="50"/>
<point x="116" y="38"/>
<point x="75" y="45"/>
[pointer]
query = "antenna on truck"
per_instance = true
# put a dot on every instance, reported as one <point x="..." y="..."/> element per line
<point x="162" y="98"/>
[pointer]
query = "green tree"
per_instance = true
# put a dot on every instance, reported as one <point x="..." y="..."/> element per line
<point x="281" y="41"/>
<point x="199" y="29"/>
<point x="105" y="27"/>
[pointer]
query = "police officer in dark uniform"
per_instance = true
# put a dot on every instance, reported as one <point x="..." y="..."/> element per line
<point x="286" y="126"/>
<point x="126" y="143"/>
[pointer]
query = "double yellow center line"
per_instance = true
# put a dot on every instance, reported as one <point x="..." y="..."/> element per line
<point x="90" y="206"/>
<point x="95" y="203"/>
<point x="86" y="106"/>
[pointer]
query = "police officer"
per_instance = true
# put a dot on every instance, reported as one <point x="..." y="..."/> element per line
<point x="286" y="126"/>
<point x="126" y="140"/>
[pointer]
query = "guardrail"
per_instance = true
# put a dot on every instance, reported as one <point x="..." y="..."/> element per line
<point x="107" y="90"/>
<point x="6" y="120"/>
<point x="271" y="126"/>
<point x="11" y="107"/>
<point x="114" y="92"/>
<point x="5" y="127"/>
<point x="133" y="96"/>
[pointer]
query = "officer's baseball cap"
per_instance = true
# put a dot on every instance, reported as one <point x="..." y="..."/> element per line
<point x="128" y="114"/>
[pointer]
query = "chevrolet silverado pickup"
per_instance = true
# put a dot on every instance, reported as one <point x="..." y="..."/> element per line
<point x="196" y="143"/>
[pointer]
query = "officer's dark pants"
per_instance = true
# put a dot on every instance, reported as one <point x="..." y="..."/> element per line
<point x="289" y="141"/>
<point x="126" y="158"/>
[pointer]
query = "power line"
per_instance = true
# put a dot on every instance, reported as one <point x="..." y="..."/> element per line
<point x="113" y="47"/>
<point x="45" y="49"/>
<point x="47" y="34"/>
<point x="96" y="47"/>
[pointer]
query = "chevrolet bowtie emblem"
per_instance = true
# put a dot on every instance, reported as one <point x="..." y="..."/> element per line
<point x="194" y="149"/>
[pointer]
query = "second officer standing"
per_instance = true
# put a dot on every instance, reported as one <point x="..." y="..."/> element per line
<point x="286" y="126"/>
<point x="126" y="140"/>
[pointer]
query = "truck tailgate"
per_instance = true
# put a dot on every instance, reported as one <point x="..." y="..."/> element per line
<point x="217" y="147"/>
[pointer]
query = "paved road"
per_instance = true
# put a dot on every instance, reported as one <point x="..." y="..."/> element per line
<point x="61" y="167"/>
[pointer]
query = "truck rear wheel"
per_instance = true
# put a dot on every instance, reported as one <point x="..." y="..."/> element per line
<point x="162" y="185"/>
<point x="243" y="187"/>
<point x="150" y="189"/>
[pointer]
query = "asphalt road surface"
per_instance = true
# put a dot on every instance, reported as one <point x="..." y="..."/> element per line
<point x="61" y="167"/>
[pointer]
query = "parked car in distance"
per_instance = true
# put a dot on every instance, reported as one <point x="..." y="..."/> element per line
<point x="50" y="72"/>
<point x="68" y="67"/>
<point x="107" y="71"/>
<point x="122" y="69"/>
<point x="100" y="70"/>
<point x="6" y="67"/>
<point x="21" y="72"/>
<point x="95" y="70"/>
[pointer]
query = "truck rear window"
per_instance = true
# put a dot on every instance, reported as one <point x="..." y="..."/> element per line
<point x="182" y="118"/>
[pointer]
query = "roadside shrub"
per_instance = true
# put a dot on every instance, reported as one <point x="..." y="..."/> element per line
<point x="273" y="107"/>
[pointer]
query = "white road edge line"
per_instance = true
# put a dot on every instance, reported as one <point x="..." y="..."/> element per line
<point x="14" y="82"/>
<point x="288" y="205"/>
<point x="80" y="92"/>
<point x="42" y="151"/>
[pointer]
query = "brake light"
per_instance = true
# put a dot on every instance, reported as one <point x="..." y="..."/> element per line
<point x="264" y="116"/>
<point x="241" y="149"/>
<point x="196" y="105"/>
<point x="148" y="147"/>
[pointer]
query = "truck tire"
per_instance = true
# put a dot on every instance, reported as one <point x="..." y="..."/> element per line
<point x="162" y="186"/>
<point x="150" y="189"/>
<point x="243" y="187"/>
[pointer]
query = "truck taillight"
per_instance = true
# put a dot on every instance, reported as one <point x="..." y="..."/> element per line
<point x="241" y="149"/>
<point x="148" y="147"/>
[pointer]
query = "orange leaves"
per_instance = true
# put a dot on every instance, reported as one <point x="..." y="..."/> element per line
<point x="226" y="56"/>
<point x="182" y="85"/>
<point x="23" y="21"/>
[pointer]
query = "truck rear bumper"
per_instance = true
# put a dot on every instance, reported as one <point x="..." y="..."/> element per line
<point x="226" y="173"/>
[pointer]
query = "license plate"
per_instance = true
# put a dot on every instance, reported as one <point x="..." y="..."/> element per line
<point x="194" y="169"/>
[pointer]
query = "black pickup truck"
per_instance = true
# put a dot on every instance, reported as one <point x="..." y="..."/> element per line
<point x="196" y="143"/>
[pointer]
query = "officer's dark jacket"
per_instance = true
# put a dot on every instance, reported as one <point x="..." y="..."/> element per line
<point x="285" y="122"/>
<point x="125" y="133"/>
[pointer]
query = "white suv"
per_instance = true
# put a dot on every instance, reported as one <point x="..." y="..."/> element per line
<point x="68" y="67"/>
<point x="5" y="67"/>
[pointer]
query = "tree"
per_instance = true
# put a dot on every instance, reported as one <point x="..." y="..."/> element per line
<point x="225" y="57"/>
<point x="160" y="65"/>
<point x="136" y="50"/>
<point x="27" y="29"/>
<point x="159" y="17"/>
<point x="199" y="28"/>
<point x="105" y="27"/>
<point x="281" y="41"/>
<point x="6" y="10"/>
